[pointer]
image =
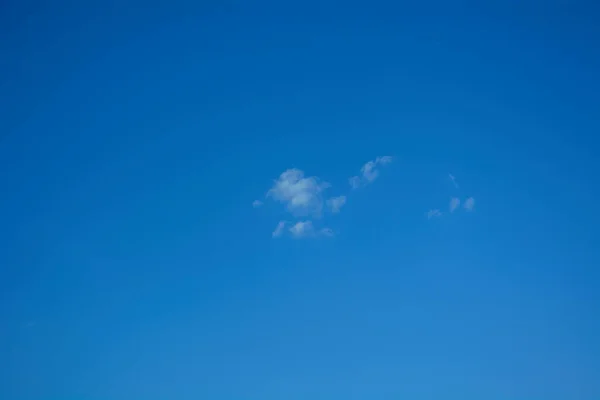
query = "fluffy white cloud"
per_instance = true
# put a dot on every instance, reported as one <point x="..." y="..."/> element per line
<point x="336" y="203"/>
<point x="302" y="229"/>
<point x="279" y="229"/>
<point x="301" y="195"/>
<point x="369" y="172"/>
<point x="454" y="203"/>
<point x="469" y="204"/>
<point x="433" y="213"/>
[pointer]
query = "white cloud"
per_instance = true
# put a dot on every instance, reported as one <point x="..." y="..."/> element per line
<point x="336" y="203"/>
<point x="257" y="203"/>
<point x="302" y="229"/>
<point x="306" y="229"/>
<point x="454" y="203"/>
<point x="301" y="195"/>
<point x="354" y="182"/>
<point x="279" y="229"/>
<point x="469" y="204"/>
<point x="384" y="160"/>
<point x="369" y="172"/>
<point x="453" y="179"/>
<point x="433" y="213"/>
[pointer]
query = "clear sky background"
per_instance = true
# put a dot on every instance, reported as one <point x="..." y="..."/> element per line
<point x="134" y="140"/>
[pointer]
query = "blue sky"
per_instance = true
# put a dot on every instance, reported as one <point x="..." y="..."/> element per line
<point x="427" y="183"/>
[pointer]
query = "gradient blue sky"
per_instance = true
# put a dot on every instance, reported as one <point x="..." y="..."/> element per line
<point x="134" y="140"/>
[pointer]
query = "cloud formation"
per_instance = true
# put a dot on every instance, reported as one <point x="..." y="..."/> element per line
<point x="433" y="213"/>
<point x="354" y="182"/>
<point x="454" y="203"/>
<point x="469" y="204"/>
<point x="336" y="203"/>
<point x="279" y="229"/>
<point x="453" y="179"/>
<point x="369" y="172"/>
<point x="301" y="195"/>
<point x="302" y="229"/>
<point x="306" y="229"/>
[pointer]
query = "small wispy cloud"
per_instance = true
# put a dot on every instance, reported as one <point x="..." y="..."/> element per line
<point x="257" y="203"/>
<point x="453" y="179"/>
<point x="433" y="213"/>
<point x="469" y="204"/>
<point x="279" y="229"/>
<point x="306" y="229"/>
<point x="454" y="203"/>
<point x="354" y="182"/>
<point x="302" y="229"/>
<point x="301" y="195"/>
<point x="369" y="172"/>
<point x="336" y="203"/>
